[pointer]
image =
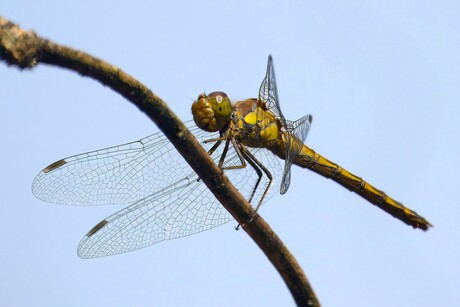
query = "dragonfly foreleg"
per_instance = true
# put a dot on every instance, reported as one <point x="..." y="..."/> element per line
<point x="215" y="139"/>
<point x="214" y="147"/>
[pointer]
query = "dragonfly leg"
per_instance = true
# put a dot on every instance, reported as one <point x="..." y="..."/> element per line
<point x="240" y="155"/>
<point x="258" y="171"/>
<point x="224" y="154"/>
<point x="223" y="137"/>
<point x="217" y="144"/>
<point x="214" y="147"/>
<point x="269" y="176"/>
<point x="215" y="139"/>
<point x="244" y="156"/>
<point x="258" y="167"/>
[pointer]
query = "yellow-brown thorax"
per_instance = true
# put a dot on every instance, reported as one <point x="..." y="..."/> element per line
<point x="255" y="126"/>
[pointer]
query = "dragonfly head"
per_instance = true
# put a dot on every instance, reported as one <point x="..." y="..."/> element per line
<point x="212" y="112"/>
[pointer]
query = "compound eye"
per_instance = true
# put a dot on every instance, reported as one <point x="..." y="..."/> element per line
<point x="219" y="96"/>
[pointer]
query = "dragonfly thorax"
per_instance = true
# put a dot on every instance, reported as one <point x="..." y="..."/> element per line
<point x="212" y="112"/>
<point x="257" y="127"/>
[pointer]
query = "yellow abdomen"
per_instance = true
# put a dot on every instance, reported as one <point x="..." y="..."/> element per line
<point x="308" y="158"/>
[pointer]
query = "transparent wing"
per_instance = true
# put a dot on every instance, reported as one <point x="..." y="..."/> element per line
<point x="115" y="175"/>
<point x="181" y="209"/>
<point x="296" y="133"/>
<point x="268" y="92"/>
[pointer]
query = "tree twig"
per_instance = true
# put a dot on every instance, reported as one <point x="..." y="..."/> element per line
<point x="25" y="49"/>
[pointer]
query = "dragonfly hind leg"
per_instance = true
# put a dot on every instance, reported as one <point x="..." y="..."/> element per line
<point x="258" y="170"/>
<point x="244" y="156"/>
<point x="259" y="167"/>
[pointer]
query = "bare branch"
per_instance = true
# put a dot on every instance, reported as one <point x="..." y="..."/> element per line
<point x="25" y="49"/>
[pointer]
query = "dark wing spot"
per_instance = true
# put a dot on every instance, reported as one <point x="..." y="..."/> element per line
<point x="54" y="165"/>
<point x="96" y="228"/>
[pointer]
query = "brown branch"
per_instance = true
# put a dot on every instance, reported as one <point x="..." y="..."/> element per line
<point x="25" y="50"/>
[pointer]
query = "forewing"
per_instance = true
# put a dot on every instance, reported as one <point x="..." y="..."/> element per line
<point x="116" y="175"/>
<point x="268" y="92"/>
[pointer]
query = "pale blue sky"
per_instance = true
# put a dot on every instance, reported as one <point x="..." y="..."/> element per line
<point x="381" y="80"/>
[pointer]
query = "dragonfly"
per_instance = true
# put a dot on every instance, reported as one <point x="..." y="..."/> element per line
<point x="166" y="199"/>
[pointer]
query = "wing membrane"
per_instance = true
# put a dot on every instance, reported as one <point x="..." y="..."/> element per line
<point x="115" y="175"/>
<point x="297" y="134"/>
<point x="268" y="92"/>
